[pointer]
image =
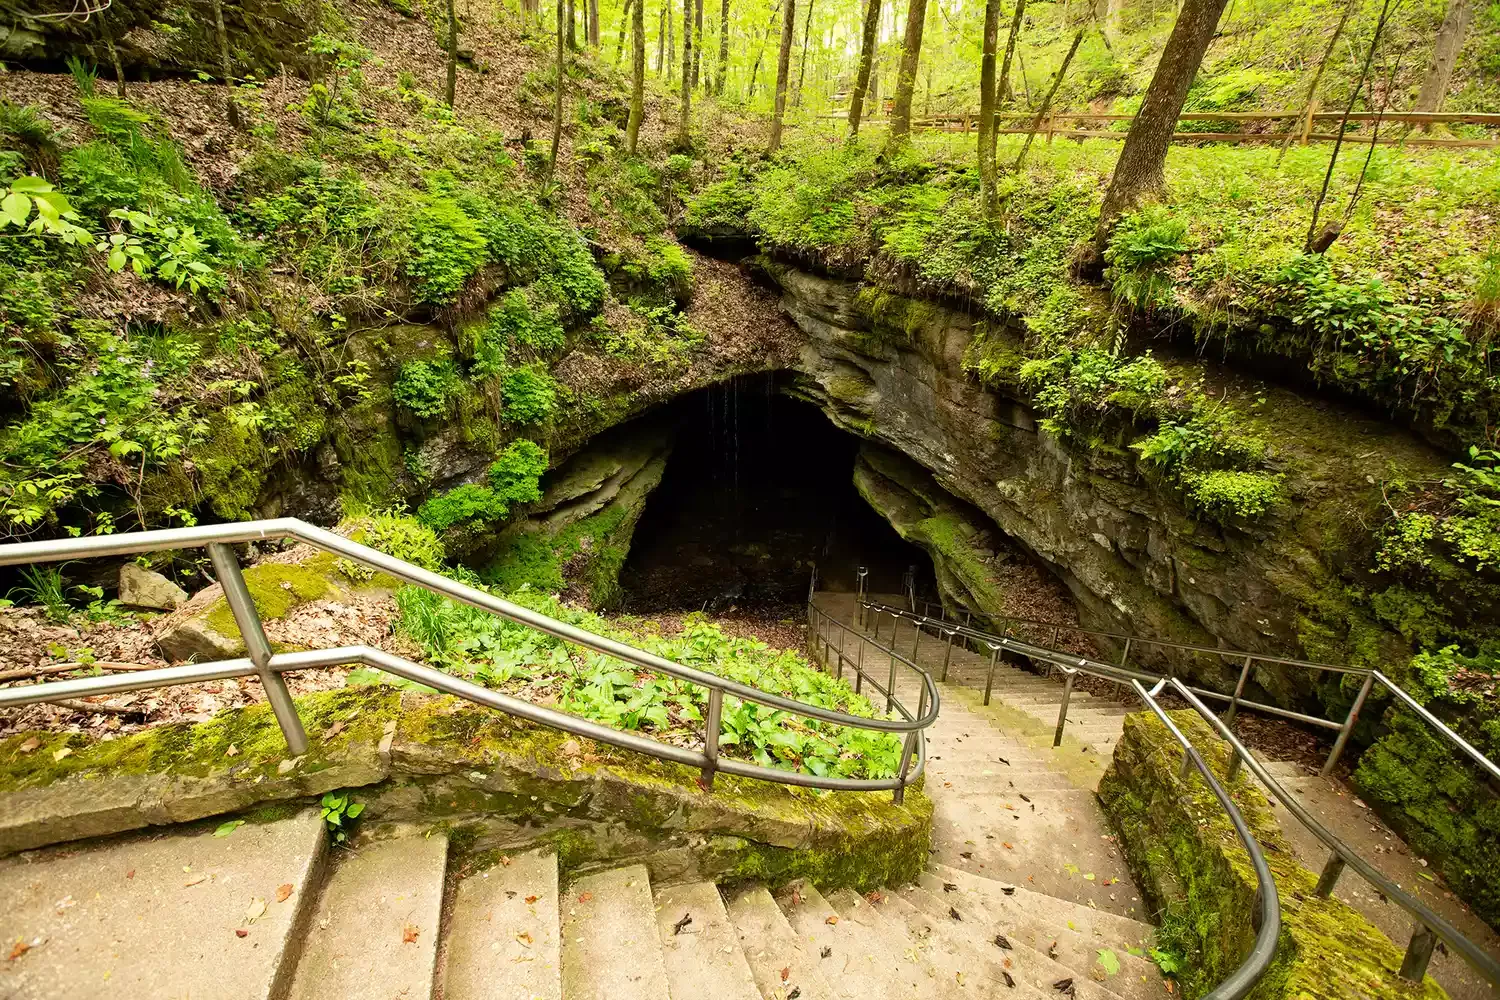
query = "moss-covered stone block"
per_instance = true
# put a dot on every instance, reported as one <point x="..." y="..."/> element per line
<point x="1194" y="872"/>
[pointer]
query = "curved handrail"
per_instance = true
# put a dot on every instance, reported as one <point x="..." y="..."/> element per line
<point x="261" y="660"/>
<point x="1237" y="701"/>
<point x="1475" y="956"/>
<point x="1249" y="972"/>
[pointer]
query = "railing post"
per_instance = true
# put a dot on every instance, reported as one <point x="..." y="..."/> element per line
<point x="1186" y="767"/>
<point x="1062" y="710"/>
<point x="948" y="655"/>
<point x="242" y="606"/>
<point x="711" y="723"/>
<point x="859" y="597"/>
<point x="1418" y="953"/>
<point x="1234" y="765"/>
<point x="908" y="747"/>
<point x="839" y="671"/>
<point x="859" y="666"/>
<point x="1125" y="654"/>
<point x="1239" y="691"/>
<point x="1348" y="727"/>
<point x="1330" y="876"/>
<point x="875" y="635"/>
<point x="916" y="640"/>
<point x="890" y="685"/>
<point x="989" y="681"/>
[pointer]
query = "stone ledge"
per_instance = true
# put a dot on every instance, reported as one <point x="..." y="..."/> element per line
<point x="1193" y="871"/>
<point x="496" y="783"/>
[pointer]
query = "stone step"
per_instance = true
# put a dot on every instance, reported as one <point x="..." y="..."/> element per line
<point x="1065" y="939"/>
<point x="610" y="947"/>
<point x="955" y="965"/>
<point x="502" y="939"/>
<point x="375" y="932"/>
<point x="773" y="948"/>
<point x="159" y="915"/>
<point x="1120" y="932"/>
<point x="1052" y="848"/>
<point x="864" y="966"/>
<point x="970" y="931"/>
<point x="1018" y="788"/>
<point x="700" y="946"/>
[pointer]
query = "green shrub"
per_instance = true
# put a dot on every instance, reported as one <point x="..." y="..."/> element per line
<point x="395" y="533"/>
<point x="470" y="502"/>
<point x="528" y="394"/>
<point x="515" y="474"/>
<point x="1140" y="251"/>
<point x="513" y="479"/>
<point x="1229" y="494"/>
<point x="427" y="387"/>
<point x="446" y="246"/>
<point x="525" y="318"/>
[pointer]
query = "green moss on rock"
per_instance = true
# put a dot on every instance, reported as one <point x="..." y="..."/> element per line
<point x="277" y="588"/>
<point x="1194" y="872"/>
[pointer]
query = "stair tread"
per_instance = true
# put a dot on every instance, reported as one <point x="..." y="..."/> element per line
<point x="771" y="946"/>
<point x="1120" y="931"/>
<point x="865" y="968"/>
<point x="169" y="932"/>
<point x="375" y="932"/>
<point x="704" y="959"/>
<point x="502" y="940"/>
<point x="610" y="948"/>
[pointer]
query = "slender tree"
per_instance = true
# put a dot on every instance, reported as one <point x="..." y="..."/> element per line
<point x="572" y="18"/>
<point x="1312" y="88"/>
<point x="684" y="133"/>
<point x="1445" y="50"/>
<point x="637" y="74"/>
<point x="114" y="56"/>
<point x="783" y="69"/>
<point x="1005" y="92"/>
<point x="557" y="99"/>
<point x="806" y="44"/>
<point x="1139" y="170"/>
<point x="224" y="68"/>
<point x="625" y="23"/>
<point x="722" y="69"/>
<point x="671" y="40"/>
<point x="866" y="62"/>
<point x="1041" y="112"/>
<point x="987" y="104"/>
<point x="593" y="24"/>
<point x="697" y="40"/>
<point x="661" y="39"/>
<point x="906" y="75"/>
<point x="760" y="52"/>
<point x="452" y="55"/>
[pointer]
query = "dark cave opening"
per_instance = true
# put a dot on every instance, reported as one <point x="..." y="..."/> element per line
<point x="759" y="489"/>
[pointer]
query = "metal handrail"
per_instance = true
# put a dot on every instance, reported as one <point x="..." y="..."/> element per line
<point x="1430" y="927"/>
<point x="1243" y="979"/>
<point x="1247" y="661"/>
<point x="270" y="666"/>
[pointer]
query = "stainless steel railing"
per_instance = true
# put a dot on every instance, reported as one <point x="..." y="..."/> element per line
<point x="269" y="666"/>
<point x="1267" y="918"/>
<point x="1247" y="661"/>
<point x="1428" y="927"/>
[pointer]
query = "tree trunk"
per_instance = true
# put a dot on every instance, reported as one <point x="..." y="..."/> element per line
<point x="624" y="29"/>
<point x="783" y="70"/>
<point x="114" y="57"/>
<point x="1139" y="170"/>
<point x="1041" y="113"/>
<point x="697" y="41"/>
<point x="722" y="70"/>
<point x="572" y="18"/>
<point x="661" y="40"/>
<point x="452" y="55"/>
<point x="872" y="96"/>
<point x="987" y="104"/>
<point x="806" y="44"/>
<point x="1450" y="41"/>
<point x="672" y="40"/>
<point x="233" y="108"/>
<point x="866" y="63"/>
<point x="906" y="76"/>
<point x="1004" y="91"/>
<point x="760" y="52"/>
<point x="637" y="74"/>
<point x="684" y="135"/>
<point x="557" y="100"/>
<point x="1312" y="88"/>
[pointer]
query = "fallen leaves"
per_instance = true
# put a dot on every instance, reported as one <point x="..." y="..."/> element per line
<point x="832" y="919"/>
<point x="194" y="881"/>
<point x="524" y="937"/>
<point x="240" y="932"/>
<point x="953" y="912"/>
<point x="677" y="928"/>
<point x="1064" y="986"/>
<point x="64" y="752"/>
<point x="584" y="897"/>
<point x="18" y="949"/>
<point x="225" y="829"/>
<point x="30" y="745"/>
<point x="409" y="934"/>
<point x="827" y="950"/>
<point x="533" y="899"/>
<point x="283" y="892"/>
<point x="949" y="887"/>
<point x="875" y="897"/>
<point x="1009" y="980"/>
<point x="255" y="910"/>
<point x="1109" y="961"/>
<point x="786" y="973"/>
<point x="1001" y="941"/>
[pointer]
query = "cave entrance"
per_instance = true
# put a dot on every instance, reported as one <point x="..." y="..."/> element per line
<point x="758" y="489"/>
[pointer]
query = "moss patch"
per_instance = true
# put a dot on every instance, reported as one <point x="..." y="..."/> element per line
<point x="277" y="588"/>
<point x="1194" y="872"/>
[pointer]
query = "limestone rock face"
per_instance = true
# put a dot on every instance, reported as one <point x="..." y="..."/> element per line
<point x="144" y="588"/>
<point x="1127" y="551"/>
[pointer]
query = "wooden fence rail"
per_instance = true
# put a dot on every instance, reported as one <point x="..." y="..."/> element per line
<point x="1067" y="125"/>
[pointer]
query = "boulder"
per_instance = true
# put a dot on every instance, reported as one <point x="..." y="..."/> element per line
<point x="144" y="588"/>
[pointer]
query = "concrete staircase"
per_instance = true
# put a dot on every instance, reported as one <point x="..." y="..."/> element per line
<point x="188" y="914"/>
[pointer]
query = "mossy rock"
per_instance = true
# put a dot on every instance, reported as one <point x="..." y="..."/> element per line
<point x="1196" y="875"/>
